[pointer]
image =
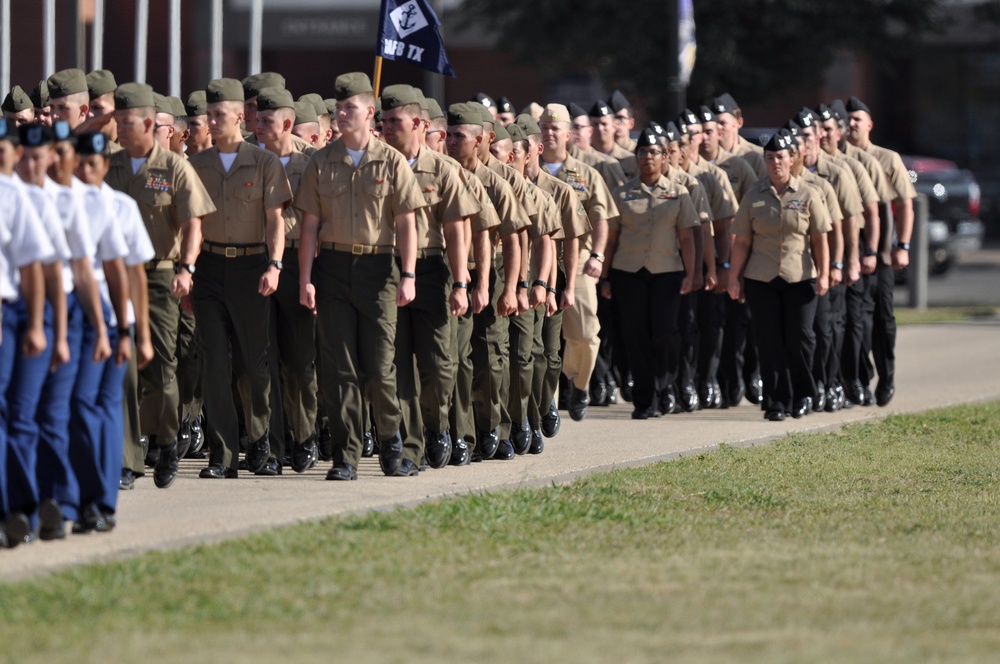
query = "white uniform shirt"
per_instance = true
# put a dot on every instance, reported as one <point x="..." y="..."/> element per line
<point x="72" y="219"/>
<point x="23" y="240"/>
<point x="129" y="219"/>
<point x="106" y="232"/>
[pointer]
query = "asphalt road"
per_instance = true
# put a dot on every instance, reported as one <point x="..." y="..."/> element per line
<point x="973" y="280"/>
<point x="938" y="365"/>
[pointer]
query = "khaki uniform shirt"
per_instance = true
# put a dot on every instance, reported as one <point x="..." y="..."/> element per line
<point x="487" y="217"/>
<point x="780" y="230"/>
<point x="591" y="190"/>
<point x="649" y="225"/>
<point x="895" y="171"/>
<point x="628" y="143"/>
<point x="517" y="183"/>
<point x="548" y="221"/>
<point x="866" y="188"/>
<point x="627" y="160"/>
<point x="571" y="213"/>
<point x="299" y="144"/>
<point x="255" y="183"/>
<point x="358" y="205"/>
<point x="168" y="192"/>
<point x="512" y="217"/>
<point x="752" y="154"/>
<point x="886" y="193"/>
<point x="695" y="189"/>
<point x="741" y="174"/>
<point x="294" y="169"/>
<point x="825" y="190"/>
<point x="446" y="196"/>
<point x="843" y="183"/>
<point x="720" y="194"/>
<point x="609" y="167"/>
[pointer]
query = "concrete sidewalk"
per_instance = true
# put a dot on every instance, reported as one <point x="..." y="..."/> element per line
<point x="936" y="366"/>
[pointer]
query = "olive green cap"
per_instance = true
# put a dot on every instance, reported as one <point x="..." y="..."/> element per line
<point x="555" y="113"/>
<point x="317" y="103"/>
<point x="134" y="95"/>
<point x="17" y="100"/>
<point x="500" y="133"/>
<point x="515" y="132"/>
<point x="305" y="112"/>
<point x="253" y="84"/>
<point x="224" y="89"/>
<point x="162" y="104"/>
<point x="434" y="108"/>
<point x="196" y="104"/>
<point x="378" y="110"/>
<point x="269" y="99"/>
<point x="40" y="95"/>
<point x="100" y="82"/>
<point x="465" y="113"/>
<point x="178" y="107"/>
<point x="331" y="106"/>
<point x="484" y="112"/>
<point x="395" y="96"/>
<point x="528" y="125"/>
<point x="67" y="82"/>
<point x="350" y="85"/>
<point x="421" y="99"/>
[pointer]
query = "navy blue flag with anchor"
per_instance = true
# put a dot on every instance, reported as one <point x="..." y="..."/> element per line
<point x="408" y="31"/>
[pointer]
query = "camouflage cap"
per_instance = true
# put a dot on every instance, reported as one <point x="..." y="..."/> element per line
<point x="528" y="125"/>
<point x="40" y="95"/>
<point x="269" y="99"/>
<point x="500" y="133"/>
<point x="351" y="85"/>
<point x="134" y="95"/>
<point x="196" y="104"/>
<point x="434" y="108"/>
<point x="17" y="100"/>
<point x="316" y="101"/>
<point x="304" y="112"/>
<point x="67" y="82"/>
<point x="224" y="89"/>
<point x="162" y="104"/>
<point x="395" y="96"/>
<point x="100" y="82"/>
<point x="515" y="132"/>
<point x="253" y="84"/>
<point x="555" y="113"/>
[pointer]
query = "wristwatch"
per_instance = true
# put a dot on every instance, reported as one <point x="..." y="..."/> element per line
<point x="523" y="284"/>
<point x="724" y="265"/>
<point x="275" y="263"/>
<point x="407" y="275"/>
<point x="539" y="282"/>
<point x="597" y="257"/>
<point x="837" y="265"/>
<point x="189" y="267"/>
<point x="905" y="246"/>
<point x="460" y="284"/>
<point x="870" y="252"/>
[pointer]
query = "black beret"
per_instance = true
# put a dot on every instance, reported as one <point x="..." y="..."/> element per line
<point x="838" y="109"/>
<point x="780" y="140"/>
<point x="705" y="114"/>
<point x="92" y="142"/>
<point x="724" y="103"/>
<point x="647" y="139"/>
<point x="504" y="105"/>
<point x="484" y="99"/>
<point x="575" y="110"/>
<point x="35" y="134"/>
<point x="8" y="132"/>
<point x="823" y="113"/>
<point x="600" y="109"/>
<point x="854" y="104"/>
<point x="618" y="102"/>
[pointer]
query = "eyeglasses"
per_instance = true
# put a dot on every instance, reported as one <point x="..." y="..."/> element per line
<point x="650" y="152"/>
<point x="160" y="126"/>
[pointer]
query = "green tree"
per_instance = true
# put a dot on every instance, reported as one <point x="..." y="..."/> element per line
<point x="755" y="49"/>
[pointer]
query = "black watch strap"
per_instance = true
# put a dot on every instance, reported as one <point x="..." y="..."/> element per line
<point x="460" y="284"/>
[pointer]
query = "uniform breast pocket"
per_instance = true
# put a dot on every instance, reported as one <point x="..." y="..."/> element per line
<point x="377" y="188"/>
<point x="250" y="194"/>
<point x="432" y="198"/>
<point x="156" y="198"/>
<point x="795" y="219"/>
<point x="330" y="189"/>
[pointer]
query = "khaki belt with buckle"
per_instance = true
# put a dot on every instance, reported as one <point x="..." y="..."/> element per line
<point x="357" y="249"/>
<point x="291" y="244"/>
<point x="230" y="251"/>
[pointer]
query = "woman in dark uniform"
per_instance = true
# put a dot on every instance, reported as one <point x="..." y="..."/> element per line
<point x="781" y="260"/>
<point x="650" y="264"/>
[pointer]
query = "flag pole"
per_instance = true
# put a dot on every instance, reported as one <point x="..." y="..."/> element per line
<point x="378" y="73"/>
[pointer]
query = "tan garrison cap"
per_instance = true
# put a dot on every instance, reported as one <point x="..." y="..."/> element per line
<point x="555" y="113"/>
<point x="67" y="82"/>
<point x="253" y="84"/>
<point x="17" y="100"/>
<point x="350" y="85"/>
<point x="134" y="95"/>
<point x="269" y="99"/>
<point x="533" y="109"/>
<point x="224" y="89"/>
<point x="304" y="112"/>
<point x="100" y="82"/>
<point x="196" y="104"/>
<point x="395" y="96"/>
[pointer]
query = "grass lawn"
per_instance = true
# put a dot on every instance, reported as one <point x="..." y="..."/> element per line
<point x="876" y="543"/>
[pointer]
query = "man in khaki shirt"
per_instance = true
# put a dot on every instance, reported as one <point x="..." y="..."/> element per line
<point x="730" y="119"/>
<point x="358" y="198"/>
<point x="172" y="201"/>
<point x="624" y="120"/>
<point x="583" y="150"/>
<point x="424" y="328"/>
<point x="237" y="271"/>
<point x="605" y="124"/>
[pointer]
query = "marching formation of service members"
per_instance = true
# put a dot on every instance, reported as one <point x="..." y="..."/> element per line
<point x="266" y="282"/>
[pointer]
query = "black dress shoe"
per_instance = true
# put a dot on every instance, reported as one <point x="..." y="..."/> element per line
<point x="537" y="442"/>
<point x="50" y="520"/>
<point x="437" y="449"/>
<point x="487" y="443"/>
<point x="325" y="444"/>
<point x="165" y="471"/>
<point x="459" y="453"/>
<point x="733" y="394"/>
<point x="689" y="401"/>
<point x="91" y="518"/>
<point x="18" y="529"/>
<point x="819" y="403"/>
<point x="551" y="421"/>
<point x="305" y="455"/>
<point x="183" y="440"/>
<point x="152" y="451"/>
<point x="342" y="472"/>
<point x="390" y="454"/>
<point x="258" y="452"/>
<point x="884" y="392"/>
<point x="668" y="401"/>
<point x="520" y="438"/>
<point x="217" y="472"/>
<point x="368" y="444"/>
<point x="774" y="415"/>
<point x="599" y="394"/>
<point x="197" y="440"/>
<point x="475" y="457"/>
<point x="854" y="392"/>
<point x="406" y="469"/>
<point x="109" y="521"/>
<point x="505" y="451"/>
<point x="643" y="413"/>
<point x="869" y="398"/>
<point x="272" y="468"/>
<point x="578" y="402"/>
<point x="832" y="402"/>
<point x="755" y="390"/>
<point x="626" y="389"/>
<point x="801" y="408"/>
<point x="612" y="393"/>
<point x="127" y="481"/>
<point x="242" y="465"/>
<point x="708" y="396"/>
